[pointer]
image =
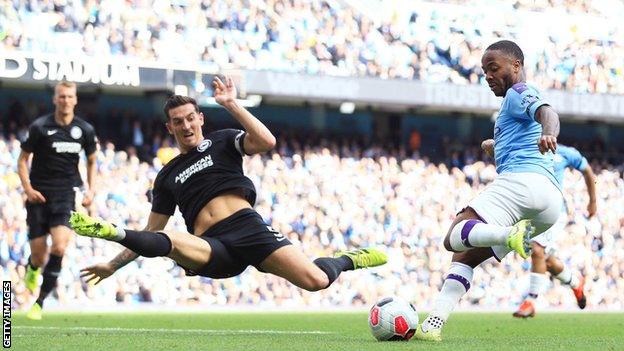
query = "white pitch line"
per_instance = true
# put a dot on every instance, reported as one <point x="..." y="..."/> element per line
<point x="165" y="330"/>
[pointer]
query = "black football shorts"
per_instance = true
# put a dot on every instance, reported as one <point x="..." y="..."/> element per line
<point x="238" y="241"/>
<point x="40" y="217"/>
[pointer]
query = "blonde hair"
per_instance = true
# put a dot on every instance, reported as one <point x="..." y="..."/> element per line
<point x="65" y="84"/>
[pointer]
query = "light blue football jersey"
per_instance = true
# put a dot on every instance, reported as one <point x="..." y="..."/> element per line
<point x="516" y="134"/>
<point x="565" y="157"/>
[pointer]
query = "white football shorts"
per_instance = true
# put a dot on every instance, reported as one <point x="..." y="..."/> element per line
<point x="548" y="239"/>
<point x="512" y="197"/>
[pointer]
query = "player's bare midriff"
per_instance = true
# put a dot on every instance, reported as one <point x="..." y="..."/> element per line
<point x="218" y="209"/>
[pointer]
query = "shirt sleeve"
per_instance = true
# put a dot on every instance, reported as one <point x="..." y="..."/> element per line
<point x="235" y="140"/>
<point x="576" y="160"/>
<point x="163" y="201"/>
<point x="525" y="101"/>
<point x="34" y="135"/>
<point x="90" y="141"/>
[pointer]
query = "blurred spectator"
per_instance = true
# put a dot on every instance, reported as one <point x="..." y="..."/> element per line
<point x="442" y="41"/>
<point x="166" y="152"/>
<point x="326" y="196"/>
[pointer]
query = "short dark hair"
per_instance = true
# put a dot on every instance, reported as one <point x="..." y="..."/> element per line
<point x="508" y="47"/>
<point x="178" y="100"/>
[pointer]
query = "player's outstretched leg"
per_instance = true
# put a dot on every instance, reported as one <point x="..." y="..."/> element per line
<point x="189" y="251"/>
<point x="471" y="233"/>
<point x="290" y="263"/>
<point x="566" y="277"/>
<point x="456" y="284"/>
<point x="144" y="243"/>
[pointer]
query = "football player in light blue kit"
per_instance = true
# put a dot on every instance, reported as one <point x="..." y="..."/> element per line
<point x="544" y="245"/>
<point x="523" y="201"/>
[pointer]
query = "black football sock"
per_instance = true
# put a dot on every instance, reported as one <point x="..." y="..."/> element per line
<point x="334" y="266"/>
<point x="32" y="266"/>
<point x="50" y="276"/>
<point x="147" y="244"/>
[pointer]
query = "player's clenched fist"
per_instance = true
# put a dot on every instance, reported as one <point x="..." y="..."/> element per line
<point x="488" y="146"/>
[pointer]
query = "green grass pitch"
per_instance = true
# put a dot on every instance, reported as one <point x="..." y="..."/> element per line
<point x="308" y="331"/>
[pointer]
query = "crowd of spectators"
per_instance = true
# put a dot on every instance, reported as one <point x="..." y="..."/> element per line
<point x="324" y="197"/>
<point x="583" y="51"/>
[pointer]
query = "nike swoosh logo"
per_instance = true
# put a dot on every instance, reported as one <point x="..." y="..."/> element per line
<point x="51" y="132"/>
<point x="279" y="236"/>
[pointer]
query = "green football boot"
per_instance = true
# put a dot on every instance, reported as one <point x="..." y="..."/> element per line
<point x="31" y="278"/>
<point x="433" y="334"/>
<point x="519" y="238"/>
<point x="364" y="258"/>
<point x="34" y="313"/>
<point x="85" y="225"/>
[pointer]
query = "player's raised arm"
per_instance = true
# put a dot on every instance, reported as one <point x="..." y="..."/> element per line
<point x="98" y="272"/>
<point x="549" y="119"/>
<point x="259" y="138"/>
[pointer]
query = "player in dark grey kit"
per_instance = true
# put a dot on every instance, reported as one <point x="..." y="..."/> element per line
<point x="207" y="182"/>
<point x="55" y="141"/>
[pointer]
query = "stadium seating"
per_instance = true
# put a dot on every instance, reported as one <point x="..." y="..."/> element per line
<point x="583" y="51"/>
<point x="324" y="202"/>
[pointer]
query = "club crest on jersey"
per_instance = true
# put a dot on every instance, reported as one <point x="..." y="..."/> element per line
<point x="205" y="144"/>
<point x="75" y="132"/>
<point x="528" y="99"/>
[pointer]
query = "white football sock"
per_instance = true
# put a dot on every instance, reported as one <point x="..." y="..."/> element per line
<point x="566" y="277"/>
<point x="456" y="284"/>
<point x="474" y="233"/>
<point x="537" y="282"/>
<point x="121" y="234"/>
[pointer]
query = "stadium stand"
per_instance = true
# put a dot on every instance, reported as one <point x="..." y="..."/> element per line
<point x="403" y="196"/>
<point x="430" y="41"/>
<point x="405" y="203"/>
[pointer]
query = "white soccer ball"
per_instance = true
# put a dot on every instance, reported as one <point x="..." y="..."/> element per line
<point x="393" y="319"/>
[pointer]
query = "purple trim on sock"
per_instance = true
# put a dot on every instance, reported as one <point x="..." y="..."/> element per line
<point x="466" y="230"/>
<point x="494" y="255"/>
<point x="460" y="279"/>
